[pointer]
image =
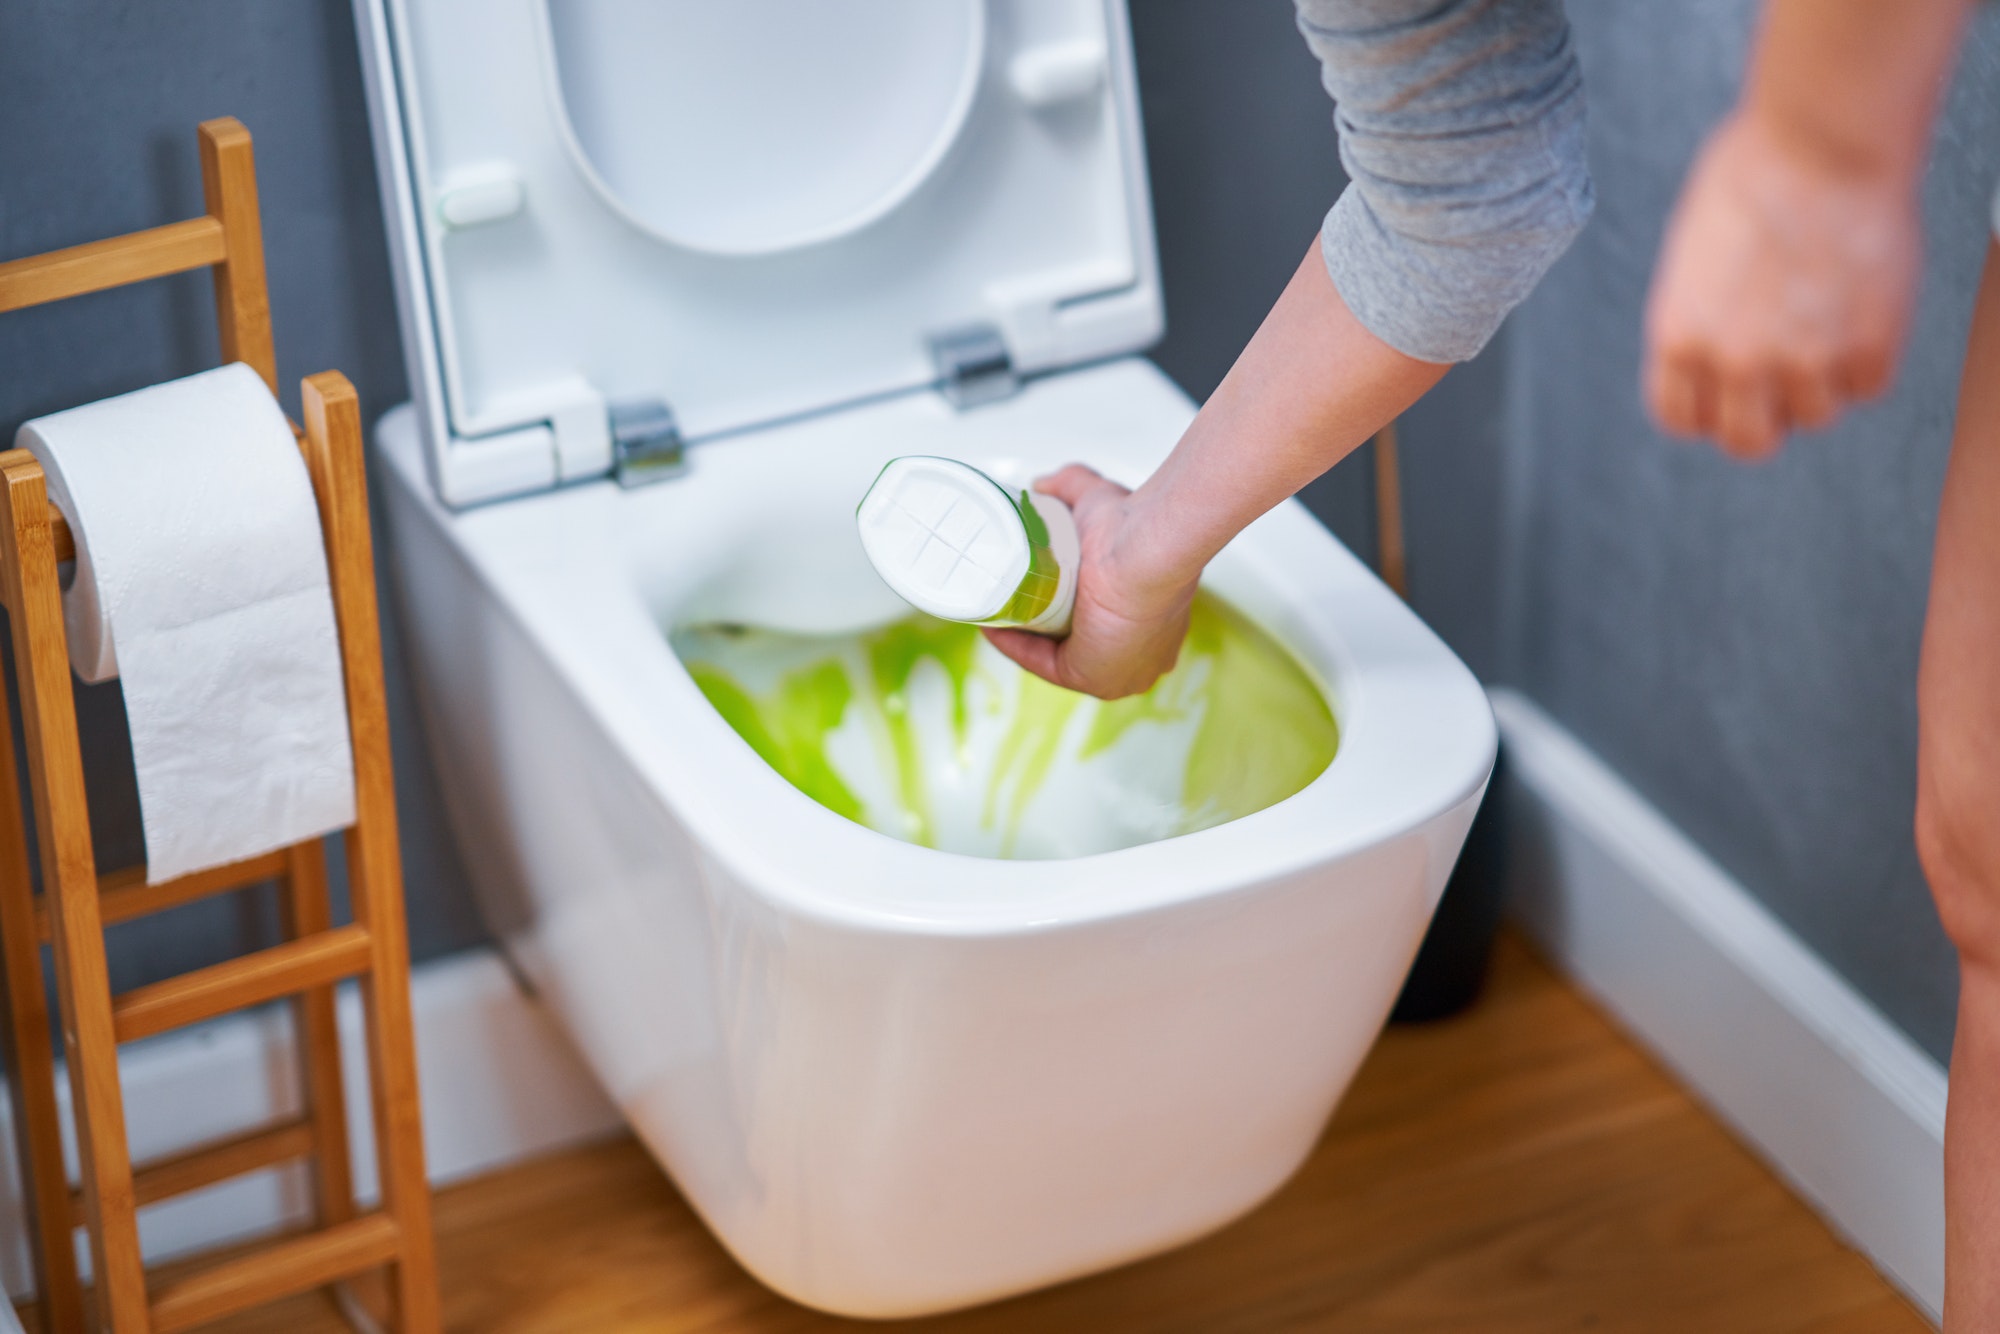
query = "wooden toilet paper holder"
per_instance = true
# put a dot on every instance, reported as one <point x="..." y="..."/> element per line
<point x="77" y="902"/>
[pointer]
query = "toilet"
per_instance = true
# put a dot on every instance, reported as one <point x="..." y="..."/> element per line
<point x="675" y="279"/>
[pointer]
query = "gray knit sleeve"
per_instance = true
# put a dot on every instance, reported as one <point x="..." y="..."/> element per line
<point x="1461" y="129"/>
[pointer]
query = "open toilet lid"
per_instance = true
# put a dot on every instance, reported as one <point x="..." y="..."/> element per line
<point x="742" y="210"/>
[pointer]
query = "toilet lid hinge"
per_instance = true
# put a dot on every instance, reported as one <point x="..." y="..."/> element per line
<point x="973" y="365"/>
<point x="646" y="444"/>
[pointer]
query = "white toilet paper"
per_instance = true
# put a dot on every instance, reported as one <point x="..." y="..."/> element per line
<point x="201" y="584"/>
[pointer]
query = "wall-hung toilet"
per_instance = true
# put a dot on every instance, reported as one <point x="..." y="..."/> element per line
<point x="765" y="246"/>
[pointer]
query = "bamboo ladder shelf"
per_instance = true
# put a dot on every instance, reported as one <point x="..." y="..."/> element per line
<point x="77" y="903"/>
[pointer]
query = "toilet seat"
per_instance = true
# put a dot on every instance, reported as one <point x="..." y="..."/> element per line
<point x="560" y="261"/>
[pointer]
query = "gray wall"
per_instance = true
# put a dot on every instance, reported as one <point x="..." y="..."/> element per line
<point x="1739" y="642"/>
<point x="99" y="100"/>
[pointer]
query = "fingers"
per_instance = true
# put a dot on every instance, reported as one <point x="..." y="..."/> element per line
<point x="1070" y="485"/>
<point x="1748" y="424"/>
<point x="1812" y="398"/>
<point x="1748" y="411"/>
<point x="1681" y="394"/>
<point x="1106" y="677"/>
<point x="1031" y="652"/>
<point x="1867" y="373"/>
<point x="1088" y="675"/>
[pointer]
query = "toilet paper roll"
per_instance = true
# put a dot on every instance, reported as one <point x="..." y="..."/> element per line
<point x="201" y="583"/>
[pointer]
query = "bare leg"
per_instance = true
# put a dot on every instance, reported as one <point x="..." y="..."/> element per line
<point x="1958" y="813"/>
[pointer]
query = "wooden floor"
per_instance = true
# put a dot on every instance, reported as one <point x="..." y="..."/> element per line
<point x="1520" y="1169"/>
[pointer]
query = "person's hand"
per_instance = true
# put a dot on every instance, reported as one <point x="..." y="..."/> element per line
<point x="1783" y="289"/>
<point x="1129" y="621"/>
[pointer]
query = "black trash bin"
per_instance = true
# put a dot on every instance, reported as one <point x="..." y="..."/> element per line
<point x="1451" y="964"/>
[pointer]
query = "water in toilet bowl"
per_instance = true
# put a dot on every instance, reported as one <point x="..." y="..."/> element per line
<point x="921" y="730"/>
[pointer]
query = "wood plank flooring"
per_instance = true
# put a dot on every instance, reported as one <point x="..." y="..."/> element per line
<point x="1522" y="1168"/>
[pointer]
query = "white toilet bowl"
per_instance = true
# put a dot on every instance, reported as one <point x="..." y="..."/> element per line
<point x="895" y="1080"/>
<point x="892" y="1079"/>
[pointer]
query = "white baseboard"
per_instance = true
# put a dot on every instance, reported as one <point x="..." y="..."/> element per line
<point x="1833" y="1095"/>
<point x="499" y="1082"/>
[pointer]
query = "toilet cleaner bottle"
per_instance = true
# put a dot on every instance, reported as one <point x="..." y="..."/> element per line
<point x="953" y="542"/>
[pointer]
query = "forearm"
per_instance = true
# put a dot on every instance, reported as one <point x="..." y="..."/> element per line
<point x="1888" y="60"/>
<point x="1312" y="385"/>
<point x="1461" y="130"/>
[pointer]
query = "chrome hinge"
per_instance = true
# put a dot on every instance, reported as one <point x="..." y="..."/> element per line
<point x="973" y="365"/>
<point x="646" y="443"/>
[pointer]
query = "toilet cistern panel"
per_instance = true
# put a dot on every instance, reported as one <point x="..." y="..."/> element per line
<point x="743" y="212"/>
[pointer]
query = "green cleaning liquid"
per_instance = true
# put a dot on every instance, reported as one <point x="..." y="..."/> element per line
<point x="921" y="730"/>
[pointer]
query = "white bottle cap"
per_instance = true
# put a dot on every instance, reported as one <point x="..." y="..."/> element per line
<point x="953" y="542"/>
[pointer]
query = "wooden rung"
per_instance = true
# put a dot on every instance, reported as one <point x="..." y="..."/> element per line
<point x="214" y="1162"/>
<point x="123" y="895"/>
<point x="307" y="1262"/>
<point x="282" y="970"/>
<point x="60" y="536"/>
<point x="174" y="248"/>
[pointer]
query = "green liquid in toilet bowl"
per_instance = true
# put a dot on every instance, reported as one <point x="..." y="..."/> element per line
<point x="921" y="730"/>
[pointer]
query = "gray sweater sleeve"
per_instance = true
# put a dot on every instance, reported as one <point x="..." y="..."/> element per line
<point x="1461" y="129"/>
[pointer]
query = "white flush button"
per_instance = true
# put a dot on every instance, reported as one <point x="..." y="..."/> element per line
<point x="1047" y="76"/>
<point x="489" y="192"/>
